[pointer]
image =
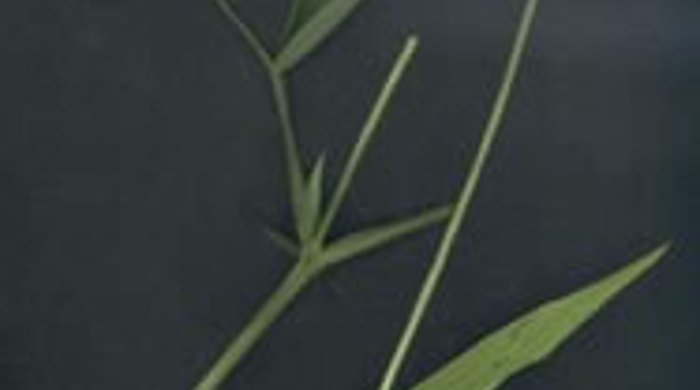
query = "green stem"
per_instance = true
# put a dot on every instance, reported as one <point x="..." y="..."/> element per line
<point x="465" y="198"/>
<point x="368" y="130"/>
<point x="248" y="34"/>
<point x="279" y="92"/>
<point x="291" y="150"/>
<point x="293" y="283"/>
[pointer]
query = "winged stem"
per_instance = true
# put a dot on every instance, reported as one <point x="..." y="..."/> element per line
<point x="465" y="198"/>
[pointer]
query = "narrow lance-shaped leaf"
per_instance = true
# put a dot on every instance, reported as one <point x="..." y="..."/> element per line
<point x="282" y="241"/>
<point x="535" y="336"/>
<point x="374" y="237"/>
<point x="311" y="202"/>
<point x="314" y="31"/>
<point x="301" y="12"/>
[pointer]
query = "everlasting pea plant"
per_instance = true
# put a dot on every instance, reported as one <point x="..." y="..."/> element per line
<point x="498" y="356"/>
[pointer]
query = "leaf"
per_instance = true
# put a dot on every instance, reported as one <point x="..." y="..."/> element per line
<point x="533" y="337"/>
<point x="300" y="13"/>
<point x="372" y="238"/>
<point x="314" y="31"/>
<point x="310" y="207"/>
<point x="287" y="244"/>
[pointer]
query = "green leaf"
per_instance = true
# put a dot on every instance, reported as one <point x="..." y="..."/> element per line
<point x="535" y="336"/>
<point x="300" y="13"/>
<point x="316" y="27"/>
<point x="372" y="238"/>
<point x="281" y="240"/>
<point x="310" y="207"/>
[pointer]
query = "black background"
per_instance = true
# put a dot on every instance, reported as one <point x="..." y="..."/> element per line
<point x="139" y="160"/>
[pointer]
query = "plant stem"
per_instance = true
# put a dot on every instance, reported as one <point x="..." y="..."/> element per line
<point x="368" y="130"/>
<point x="291" y="150"/>
<point x="295" y="281"/>
<point x="279" y="92"/>
<point x="248" y="34"/>
<point x="465" y="198"/>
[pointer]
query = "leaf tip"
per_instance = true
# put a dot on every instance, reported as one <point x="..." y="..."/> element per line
<point x="657" y="254"/>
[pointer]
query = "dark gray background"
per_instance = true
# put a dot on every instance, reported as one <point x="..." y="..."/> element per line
<point x="139" y="158"/>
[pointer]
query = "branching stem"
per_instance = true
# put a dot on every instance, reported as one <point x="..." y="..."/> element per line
<point x="311" y="258"/>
